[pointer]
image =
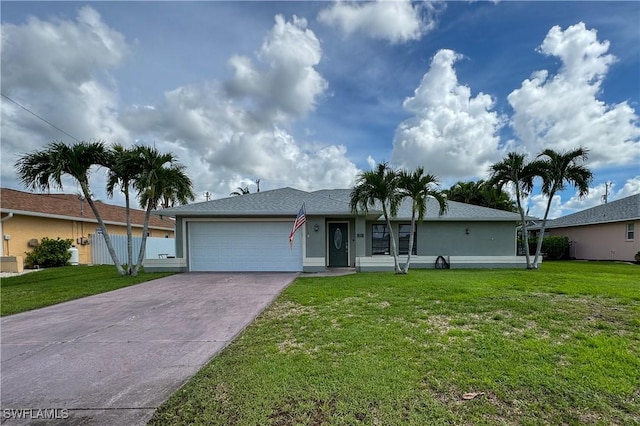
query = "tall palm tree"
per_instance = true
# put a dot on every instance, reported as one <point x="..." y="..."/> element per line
<point x="123" y="170"/>
<point x="161" y="180"/>
<point x="40" y="170"/>
<point x="241" y="190"/>
<point x="495" y="198"/>
<point x="558" y="170"/>
<point x="379" y="186"/>
<point x="515" y="170"/>
<point x="419" y="187"/>
<point x="464" y="192"/>
<point x="479" y="193"/>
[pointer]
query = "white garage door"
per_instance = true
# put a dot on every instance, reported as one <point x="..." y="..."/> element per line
<point x="244" y="246"/>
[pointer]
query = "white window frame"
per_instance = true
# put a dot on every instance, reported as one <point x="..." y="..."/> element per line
<point x="630" y="231"/>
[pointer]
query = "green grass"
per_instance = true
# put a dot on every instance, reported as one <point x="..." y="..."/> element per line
<point x="555" y="346"/>
<point x="55" y="285"/>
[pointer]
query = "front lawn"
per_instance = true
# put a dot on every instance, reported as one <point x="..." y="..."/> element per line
<point x="55" y="285"/>
<point x="555" y="346"/>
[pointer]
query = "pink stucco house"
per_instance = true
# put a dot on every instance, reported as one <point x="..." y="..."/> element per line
<point x="609" y="231"/>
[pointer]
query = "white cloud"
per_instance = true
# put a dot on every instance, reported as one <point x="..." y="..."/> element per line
<point x="225" y="132"/>
<point x="563" y="111"/>
<point x="237" y="130"/>
<point x="452" y="133"/>
<point x="371" y="162"/>
<point x="59" y="70"/>
<point x="575" y="203"/>
<point x="288" y="85"/>
<point x="537" y="204"/>
<point x="630" y="187"/>
<point x="396" y="21"/>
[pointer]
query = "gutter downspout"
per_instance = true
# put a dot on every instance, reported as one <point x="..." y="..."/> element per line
<point x="7" y="217"/>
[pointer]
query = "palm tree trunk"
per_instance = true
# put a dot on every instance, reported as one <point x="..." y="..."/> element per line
<point x="129" y="234"/>
<point x="413" y="224"/>
<point x="524" y="229"/>
<point x="541" y="233"/>
<point x="105" y="234"/>
<point x="394" y="251"/>
<point x="143" y="247"/>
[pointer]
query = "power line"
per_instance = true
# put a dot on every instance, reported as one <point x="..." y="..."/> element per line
<point x="37" y="116"/>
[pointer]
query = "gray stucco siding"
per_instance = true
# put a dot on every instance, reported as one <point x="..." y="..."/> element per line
<point x="180" y="237"/>
<point x="434" y="238"/>
<point x="466" y="239"/>
<point x="316" y="239"/>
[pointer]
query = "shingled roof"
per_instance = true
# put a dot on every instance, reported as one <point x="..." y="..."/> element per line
<point x="621" y="210"/>
<point x="69" y="206"/>
<point x="326" y="202"/>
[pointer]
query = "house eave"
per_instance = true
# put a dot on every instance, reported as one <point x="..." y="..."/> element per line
<point x="78" y="219"/>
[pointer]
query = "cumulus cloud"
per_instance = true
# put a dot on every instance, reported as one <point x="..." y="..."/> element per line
<point x="538" y="203"/>
<point x="288" y="84"/>
<point x="59" y="69"/>
<point x="238" y="129"/>
<point x="225" y="132"/>
<point x="562" y="111"/>
<point x="396" y="21"/>
<point x="452" y="133"/>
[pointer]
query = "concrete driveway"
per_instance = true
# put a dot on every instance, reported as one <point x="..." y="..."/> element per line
<point x="111" y="359"/>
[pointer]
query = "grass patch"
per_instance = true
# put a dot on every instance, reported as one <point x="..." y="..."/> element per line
<point x="555" y="346"/>
<point x="55" y="285"/>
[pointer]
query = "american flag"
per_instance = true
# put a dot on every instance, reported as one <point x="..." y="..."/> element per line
<point x="300" y="220"/>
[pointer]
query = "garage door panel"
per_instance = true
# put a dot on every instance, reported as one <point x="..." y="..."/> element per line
<point x="243" y="246"/>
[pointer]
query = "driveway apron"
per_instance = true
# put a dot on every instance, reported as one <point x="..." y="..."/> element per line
<point x="111" y="359"/>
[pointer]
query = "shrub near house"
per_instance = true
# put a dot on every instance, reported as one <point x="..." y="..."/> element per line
<point x="49" y="253"/>
<point x="553" y="247"/>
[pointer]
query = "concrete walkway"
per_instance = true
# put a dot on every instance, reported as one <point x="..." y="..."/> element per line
<point x="111" y="359"/>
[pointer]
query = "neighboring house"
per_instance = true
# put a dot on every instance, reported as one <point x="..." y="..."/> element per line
<point x="609" y="231"/>
<point x="250" y="233"/>
<point x="28" y="217"/>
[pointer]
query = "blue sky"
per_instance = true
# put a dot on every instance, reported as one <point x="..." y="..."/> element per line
<point x="307" y="94"/>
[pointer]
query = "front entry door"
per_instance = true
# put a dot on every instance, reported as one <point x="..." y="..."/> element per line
<point x="338" y="245"/>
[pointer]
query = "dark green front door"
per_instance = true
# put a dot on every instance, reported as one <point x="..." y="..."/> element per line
<point x="338" y="245"/>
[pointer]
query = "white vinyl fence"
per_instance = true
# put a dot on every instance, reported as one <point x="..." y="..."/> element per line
<point x="156" y="248"/>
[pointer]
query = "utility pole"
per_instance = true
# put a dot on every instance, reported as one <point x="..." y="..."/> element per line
<point x="605" y="197"/>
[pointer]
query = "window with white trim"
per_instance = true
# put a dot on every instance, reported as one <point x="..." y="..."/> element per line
<point x="630" y="231"/>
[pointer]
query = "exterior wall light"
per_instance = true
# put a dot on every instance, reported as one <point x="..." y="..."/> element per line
<point x="466" y="231"/>
<point x="316" y="227"/>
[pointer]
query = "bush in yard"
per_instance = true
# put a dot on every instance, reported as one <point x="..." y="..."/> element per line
<point x="49" y="253"/>
<point x="553" y="247"/>
<point x="638" y="257"/>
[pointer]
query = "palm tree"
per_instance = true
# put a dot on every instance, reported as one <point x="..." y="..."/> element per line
<point x="516" y="171"/>
<point x="495" y="198"/>
<point x="40" y="170"/>
<point x="464" y="192"/>
<point x="122" y="172"/>
<point x="241" y="190"/>
<point x="419" y="187"/>
<point x="479" y="193"/>
<point x="161" y="180"/>
<point x="557" y="170"/>
<point x="379" y="185"/>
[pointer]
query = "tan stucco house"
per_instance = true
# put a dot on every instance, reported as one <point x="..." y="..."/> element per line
<point x="28" y="217"/>
<point x="608" y="231"/>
